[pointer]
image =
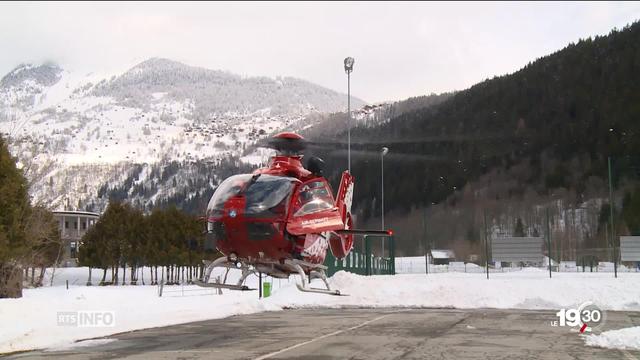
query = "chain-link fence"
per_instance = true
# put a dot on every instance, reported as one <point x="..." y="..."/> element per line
<point x="488" y="226"/>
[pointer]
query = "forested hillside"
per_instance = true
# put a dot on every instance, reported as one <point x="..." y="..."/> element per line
<point x="543" y="133"/>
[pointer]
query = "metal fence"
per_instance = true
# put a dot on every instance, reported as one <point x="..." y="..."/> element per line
<point x="591" y="227"/>
<point x="416" y="265"/>
<point x="364" y="263"/>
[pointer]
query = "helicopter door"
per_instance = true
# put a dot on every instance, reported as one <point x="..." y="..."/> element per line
<point x="313" y="209"/>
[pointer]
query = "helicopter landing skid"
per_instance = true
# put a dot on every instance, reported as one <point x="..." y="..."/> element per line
<point x="313" y="274"/>
<point x="316" y="271"/>
<point x="223" y="286"/>
<point x="223" y="262"/>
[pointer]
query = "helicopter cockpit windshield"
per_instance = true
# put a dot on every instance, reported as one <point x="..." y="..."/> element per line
<point x="266" y="195"/>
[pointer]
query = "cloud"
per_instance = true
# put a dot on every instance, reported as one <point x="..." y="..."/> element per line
<point x="401" y="49"/>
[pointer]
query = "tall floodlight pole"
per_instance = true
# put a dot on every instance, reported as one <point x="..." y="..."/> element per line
<point x="348" y="68"/>
<point x="383" y="152"/>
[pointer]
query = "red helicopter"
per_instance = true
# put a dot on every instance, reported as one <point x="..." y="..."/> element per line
<point x="281" y="219"/>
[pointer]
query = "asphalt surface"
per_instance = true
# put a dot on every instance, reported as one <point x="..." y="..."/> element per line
<point x="358" y="334"/>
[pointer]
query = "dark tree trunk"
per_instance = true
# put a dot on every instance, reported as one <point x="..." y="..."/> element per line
<point x="89" y="279"/>
<point x="41" y="276"/>
<point x="10" y="281"/>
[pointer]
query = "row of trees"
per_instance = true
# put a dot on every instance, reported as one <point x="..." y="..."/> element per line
<point x="126" y="238"/>
<point x="29" y="236"/>
<point x="123" y="238"/>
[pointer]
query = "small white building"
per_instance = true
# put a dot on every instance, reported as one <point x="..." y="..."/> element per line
<point x="442" y="257"/>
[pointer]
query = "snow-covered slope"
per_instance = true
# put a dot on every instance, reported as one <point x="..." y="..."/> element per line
<point x="62" y="124"/>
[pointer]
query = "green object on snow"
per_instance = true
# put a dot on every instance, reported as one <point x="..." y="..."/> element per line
<point x="266" y="289"/>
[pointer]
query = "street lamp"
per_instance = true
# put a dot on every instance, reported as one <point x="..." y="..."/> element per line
<point x="348" y="68"/>
<point x="383" y="152"/>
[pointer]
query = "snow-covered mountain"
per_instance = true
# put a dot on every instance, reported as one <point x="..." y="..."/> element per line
<point x="78" y="133"/>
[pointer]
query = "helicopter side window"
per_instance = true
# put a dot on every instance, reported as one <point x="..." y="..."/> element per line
<point x="313" y="197"/>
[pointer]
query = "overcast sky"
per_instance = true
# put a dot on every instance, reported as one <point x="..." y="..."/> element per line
<point x="401" y="49"/>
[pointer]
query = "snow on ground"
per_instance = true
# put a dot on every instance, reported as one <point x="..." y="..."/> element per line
<point x="625" y="339"/>
<point x="81" y="344"/>
<point x="34" y="318"/>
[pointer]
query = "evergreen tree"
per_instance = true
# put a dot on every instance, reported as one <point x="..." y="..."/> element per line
<point x="631" y="211"/>
<point x="14" y="209"/>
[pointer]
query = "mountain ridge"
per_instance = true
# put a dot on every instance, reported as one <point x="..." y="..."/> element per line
<point x="159" y="111"/>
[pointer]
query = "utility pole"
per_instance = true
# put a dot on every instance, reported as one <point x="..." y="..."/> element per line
<point x="548" y="241"/>
<point x="383" y="152"/>
<point x="426" y="242"/>
<point x="349" y="120"/>
<point x="613" y="228"/>
<point x="486" y="244"/>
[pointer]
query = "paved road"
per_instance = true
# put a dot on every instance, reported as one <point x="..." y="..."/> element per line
<point x="358" y="334"/>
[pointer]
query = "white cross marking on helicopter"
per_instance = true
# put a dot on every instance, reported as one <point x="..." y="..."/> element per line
<point x="348" y="197"/>
<point x="318" y="248"/>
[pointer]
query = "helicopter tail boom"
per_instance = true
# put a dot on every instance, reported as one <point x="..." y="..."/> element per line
<point x="365" y="232"/>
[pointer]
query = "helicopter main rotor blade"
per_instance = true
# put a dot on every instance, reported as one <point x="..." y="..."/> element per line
<point x="396" y="156"/>
<point x="415" y="140"/>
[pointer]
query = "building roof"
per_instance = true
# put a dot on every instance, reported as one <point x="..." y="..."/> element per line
<point x="77" y="213"/>
<point x="443" y="254"/>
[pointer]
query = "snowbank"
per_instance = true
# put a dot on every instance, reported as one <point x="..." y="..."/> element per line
<point x="31" y="322"/>
<point x="527" y="289"/>
<point x="625" y="339"/>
